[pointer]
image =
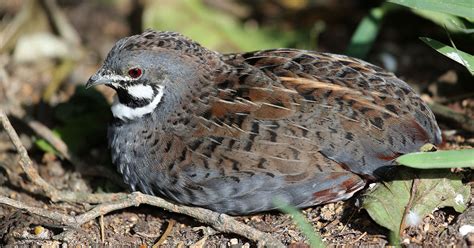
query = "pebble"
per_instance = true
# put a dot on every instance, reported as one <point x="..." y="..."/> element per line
<point x="466" y="229"/>
<point x="233" y="242"/>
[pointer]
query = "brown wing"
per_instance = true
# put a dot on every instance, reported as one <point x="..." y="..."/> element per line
<point x="355" y="112"/>
<point x="297" y="124"/>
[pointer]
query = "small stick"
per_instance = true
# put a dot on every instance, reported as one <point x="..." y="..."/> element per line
<point x="25" y="161"/>
<point x="414" y="187"/>
<point x="61" y="218"/>
<point x="220" y="222"/>
<point x="49" y="136"/>
<point x="462" y="120"/>
<point x="359" y="238"/>
<point x="165" y="235"/>
<point x="102" y="228"/>
<point x="348" y="221"/>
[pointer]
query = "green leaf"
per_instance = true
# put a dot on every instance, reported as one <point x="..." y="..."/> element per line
<point x="463" y="8"/>
<point x="461" y="57"/>
<point x="313" y="237"/>
<point x="439" y="159"/>
<point x="451" y="22"/>
<point x="435" y="189"/>
<point x="46" y="147"/>
<point x="367" y="31"/>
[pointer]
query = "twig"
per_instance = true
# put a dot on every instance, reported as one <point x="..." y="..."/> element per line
<point x="116" y="201"/>
<point x="102" y="229"/>
<point x="414" y="187"/>
<point x="359" y="238"/>
<point x="348" y="221"/>
<point x="60" y="73"/>
<point x="61" y="218"/>
<point x="200" y="243"/>
<point x="456" y="98"/>
<point x="60" y="22"/>
<point x="462" y="120"/>
<point x="12" y="31"/>
<point x="25" y="161"/>
<point x="30" y="14"/>
<point x="48" y="135"/>
<point x="165" y="235"/>
<point x="220" y="222"/>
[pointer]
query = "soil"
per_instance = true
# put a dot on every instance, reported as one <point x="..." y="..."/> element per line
<point x="340" y="224"/>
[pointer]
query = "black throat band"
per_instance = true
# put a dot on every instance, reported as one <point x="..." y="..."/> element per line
<point x="134" y="102"/>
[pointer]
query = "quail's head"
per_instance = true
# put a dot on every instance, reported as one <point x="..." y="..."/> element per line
<point x="145" y="72"/>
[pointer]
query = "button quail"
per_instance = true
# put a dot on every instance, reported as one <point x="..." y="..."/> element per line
<point x="230" y="132"/>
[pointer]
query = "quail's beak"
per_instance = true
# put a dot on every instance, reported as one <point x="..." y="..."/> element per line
<point x="96" y="79"/>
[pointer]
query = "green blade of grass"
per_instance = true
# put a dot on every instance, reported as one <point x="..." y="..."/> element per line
<point x="461" y="57"/>
<point x="463" y="8"/>
<point x="313" y="237"/>
<point x="46" y="147"/>
<point x="367" y="31"/>
<point x="439" y="159"/>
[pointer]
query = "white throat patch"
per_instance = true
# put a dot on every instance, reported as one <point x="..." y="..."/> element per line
<point x="124" y="112"/>
<point x="141" y="91"/>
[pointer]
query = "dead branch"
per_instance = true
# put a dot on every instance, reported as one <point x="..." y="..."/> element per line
<point x="116" y="201"/>
<point x="58" y="217"/>
<point x="220" y="222"/>
<point x="25" y="161"/>
<point x="462" y="120"/>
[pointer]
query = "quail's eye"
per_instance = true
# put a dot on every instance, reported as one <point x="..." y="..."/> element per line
<point x="135" y="72"/>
